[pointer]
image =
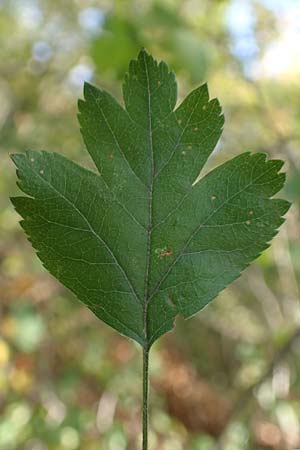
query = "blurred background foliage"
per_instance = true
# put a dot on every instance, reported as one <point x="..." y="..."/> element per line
<point x="228" y="379"/>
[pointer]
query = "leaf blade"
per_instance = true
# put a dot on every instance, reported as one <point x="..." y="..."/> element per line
<point x="141" y="242"/>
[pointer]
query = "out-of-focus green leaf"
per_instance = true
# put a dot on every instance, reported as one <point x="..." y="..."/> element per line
<point x="29" y="329"/>
<point x="115" y="46"/>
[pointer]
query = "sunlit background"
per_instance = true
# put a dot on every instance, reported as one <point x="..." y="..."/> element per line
<point x="228" y="379"/>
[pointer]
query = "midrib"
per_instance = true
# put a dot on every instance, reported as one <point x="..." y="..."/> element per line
<point x="149" y="231"/>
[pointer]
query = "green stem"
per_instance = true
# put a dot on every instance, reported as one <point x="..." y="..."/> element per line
<point x="145" y="397"/>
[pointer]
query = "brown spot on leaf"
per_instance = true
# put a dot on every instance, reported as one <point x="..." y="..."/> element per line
<point x="166" y="253"/>
<point x="110" y="156"/>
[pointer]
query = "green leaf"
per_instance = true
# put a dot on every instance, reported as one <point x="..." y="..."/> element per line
<point x="140" y="242"/>
<point x="119" y="38"/>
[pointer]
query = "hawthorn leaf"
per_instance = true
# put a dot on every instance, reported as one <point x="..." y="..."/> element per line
<point x="140" y="241"/>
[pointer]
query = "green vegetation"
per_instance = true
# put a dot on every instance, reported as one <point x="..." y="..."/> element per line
<point x="144" y="239"/>
<point x="226" y="379"/>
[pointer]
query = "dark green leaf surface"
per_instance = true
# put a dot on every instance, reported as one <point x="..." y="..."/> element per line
<point x="139" y="242"/>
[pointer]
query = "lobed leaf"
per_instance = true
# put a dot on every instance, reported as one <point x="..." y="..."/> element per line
<point x="140" y="241"/>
